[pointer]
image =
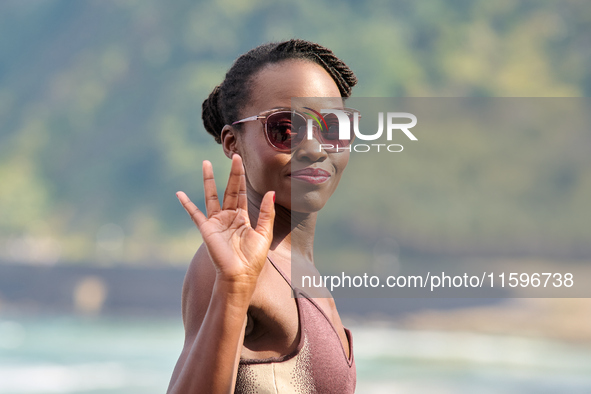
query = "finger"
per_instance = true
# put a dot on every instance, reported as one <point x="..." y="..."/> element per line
<point x="266" y="216"/>
<point x="232" y="193"/>
<point x="196" y="215"/>
<point x="242" y="197"/>
<point x="212" y="201"/>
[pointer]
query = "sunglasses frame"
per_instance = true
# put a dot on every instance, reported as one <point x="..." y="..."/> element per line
<point x="265" y="114"/>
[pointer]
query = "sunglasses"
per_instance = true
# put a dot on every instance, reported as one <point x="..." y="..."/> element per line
<point x="285" y="129"/>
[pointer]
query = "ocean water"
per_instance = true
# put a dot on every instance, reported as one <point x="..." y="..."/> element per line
<point x="42" y="355"/>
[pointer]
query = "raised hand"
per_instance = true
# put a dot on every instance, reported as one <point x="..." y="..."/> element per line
<point x="237" y="250"/>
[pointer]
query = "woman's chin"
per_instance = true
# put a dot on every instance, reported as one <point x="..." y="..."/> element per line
<point x="307" y="203"/>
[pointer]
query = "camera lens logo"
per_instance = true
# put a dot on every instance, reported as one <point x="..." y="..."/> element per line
<point x="317" y="117"/>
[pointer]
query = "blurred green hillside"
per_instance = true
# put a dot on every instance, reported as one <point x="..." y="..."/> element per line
<point x="100" y="107"/>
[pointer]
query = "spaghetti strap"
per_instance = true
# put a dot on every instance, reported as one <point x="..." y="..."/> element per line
<point x="280" y="272"/>
<point x="319" y="364"/>
<point x="298" y="293"/>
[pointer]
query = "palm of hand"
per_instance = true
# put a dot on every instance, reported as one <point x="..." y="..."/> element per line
<point x="237" y="250"/>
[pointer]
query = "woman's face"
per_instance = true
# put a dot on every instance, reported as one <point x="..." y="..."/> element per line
<point x="267" y="169"/>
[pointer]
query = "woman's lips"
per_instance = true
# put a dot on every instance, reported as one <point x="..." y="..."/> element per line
<point x="311" y="175"/>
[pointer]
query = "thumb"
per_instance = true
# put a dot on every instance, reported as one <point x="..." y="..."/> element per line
<point x="266" y="216"/>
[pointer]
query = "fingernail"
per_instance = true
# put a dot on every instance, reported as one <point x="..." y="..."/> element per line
<point x="273" y="196"/>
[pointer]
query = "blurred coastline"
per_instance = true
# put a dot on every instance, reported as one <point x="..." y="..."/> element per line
<point x="155" y="292"/>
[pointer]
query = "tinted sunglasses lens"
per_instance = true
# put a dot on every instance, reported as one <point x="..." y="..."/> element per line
<point x="285" y="131"/>
<point x="331" y="135"/>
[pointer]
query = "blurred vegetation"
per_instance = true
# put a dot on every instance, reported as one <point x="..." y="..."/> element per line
<point x="100" y="106"/>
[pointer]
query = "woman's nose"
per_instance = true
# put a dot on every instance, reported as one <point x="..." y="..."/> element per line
<point x="311" y="149"/>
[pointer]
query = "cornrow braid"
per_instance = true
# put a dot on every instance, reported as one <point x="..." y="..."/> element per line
<point x="225" y="101"/>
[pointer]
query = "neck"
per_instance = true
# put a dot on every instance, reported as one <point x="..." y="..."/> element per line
<point x="293" y="232"/>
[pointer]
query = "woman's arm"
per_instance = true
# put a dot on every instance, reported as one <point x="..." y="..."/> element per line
<point x="220" y="283"/>
<point x="214" y="318"/>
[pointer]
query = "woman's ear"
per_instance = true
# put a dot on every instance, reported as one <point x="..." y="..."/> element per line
<point x="229" y="141"/>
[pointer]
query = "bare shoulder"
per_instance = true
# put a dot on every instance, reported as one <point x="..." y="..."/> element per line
<point x="197" y="290"/>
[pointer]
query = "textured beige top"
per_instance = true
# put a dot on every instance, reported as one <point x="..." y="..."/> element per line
<point x="319" y="364"/>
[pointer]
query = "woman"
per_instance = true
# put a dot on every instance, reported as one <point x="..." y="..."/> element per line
<point x="244" y="330"/>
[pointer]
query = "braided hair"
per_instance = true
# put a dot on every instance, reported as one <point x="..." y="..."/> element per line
<point x="224" y="102"/>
